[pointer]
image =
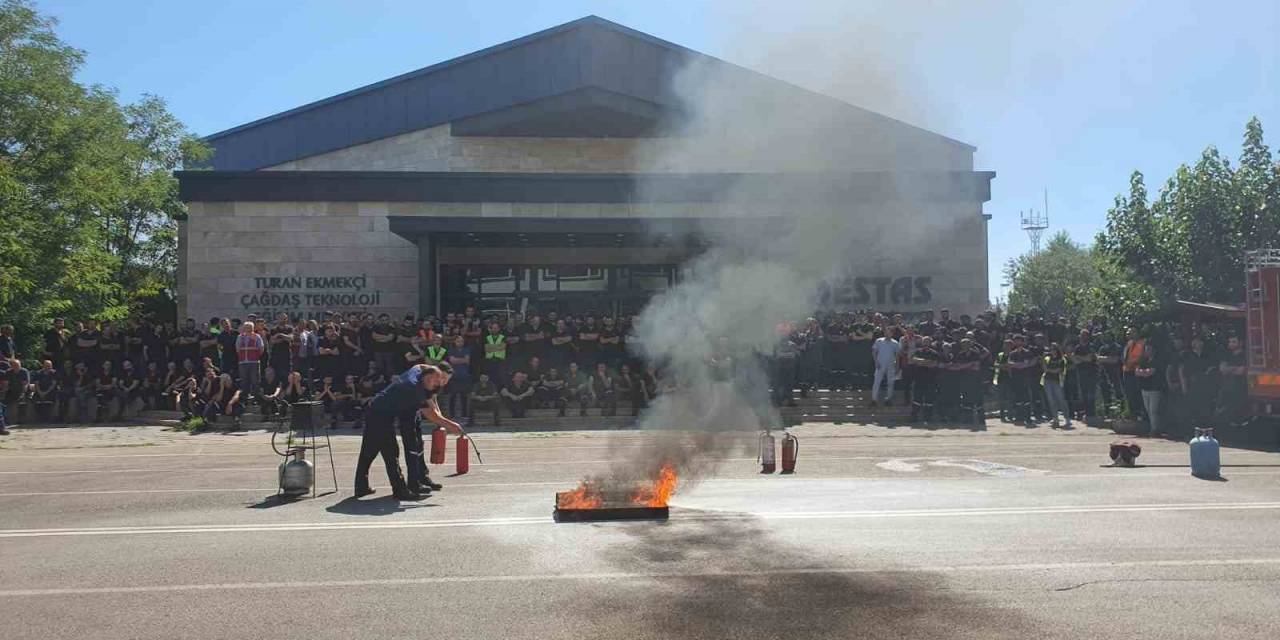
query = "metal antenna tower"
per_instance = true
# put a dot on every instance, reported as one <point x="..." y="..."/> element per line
<point x="1035" y="222"/>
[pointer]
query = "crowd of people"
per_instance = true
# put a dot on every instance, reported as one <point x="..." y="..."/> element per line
<point x="1039" y="369"/>
<point x="945" y="367"/>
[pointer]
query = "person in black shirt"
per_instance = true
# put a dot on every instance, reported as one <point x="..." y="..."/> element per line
<point x="105" y="390"/>
<point x="925" y="362"/>
<point x="971" y="377"/>
<point x="45" y="392"/>
<point x="328" y="354"/>
<point x="86" y="345"/>
<point x="579" y="386"/>
<point x="128" y="389"/>
<point x="1024" y="373"/>
<point x="208" y="342"/>
<point x="349" y="344"/>
<point x="55" y="341"/>
<point x="155" y="344"/>
<point x="605" y="391"/>
<point x="223" y="398"/>
<point x="1084" y="365"/>
<point x="588" y="344"/>
<point x="153" y="386"/>
<point x="485" y="398"/>
<point x="859" y="362"/>
<point x="184" y="345"/>
<point x="133" y="347"/>
<point x="385" y="348"/>
<point x="410" y="395"/>
<point x="555" y="389"/>
<point x="518" y="394"/>
<point x="533" y="339"/>
<point x="1196" y="372"/>
<point x="611" y="352"/>
<point x="279" y="346"/>
<point x="630" y="389"/>
<point x="1233" y="391"/>
<point x="561" y="348"/>
<point x="227" y="335"/>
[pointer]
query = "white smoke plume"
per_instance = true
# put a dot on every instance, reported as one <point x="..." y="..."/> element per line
<point x="732" y="298"/>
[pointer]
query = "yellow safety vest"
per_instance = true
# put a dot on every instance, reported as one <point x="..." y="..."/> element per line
<point x="500" y="354"/>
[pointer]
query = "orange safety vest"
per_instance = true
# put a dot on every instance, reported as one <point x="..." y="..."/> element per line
<point x="1132" y="354"/>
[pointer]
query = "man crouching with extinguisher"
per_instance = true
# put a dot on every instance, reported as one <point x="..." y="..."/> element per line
<point x="407" y="394"/>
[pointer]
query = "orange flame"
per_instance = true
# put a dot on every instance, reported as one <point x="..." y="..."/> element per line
<point x="659" y="492"/>
<point x="584" y="497"/>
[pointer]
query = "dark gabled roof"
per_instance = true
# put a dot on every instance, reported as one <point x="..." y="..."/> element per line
<point x="589" y="77"/>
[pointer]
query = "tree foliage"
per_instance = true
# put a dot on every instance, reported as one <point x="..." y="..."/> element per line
<point x="1054" y="280"/>
<point x="1189" y="242"/>
<point x="87" y="196"/>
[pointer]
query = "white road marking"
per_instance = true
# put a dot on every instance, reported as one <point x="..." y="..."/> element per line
<point x="543" y="578"/>
<point x="1130" y="474"/>
<point x="699" y="515"/>
<point x="997" y="469"/>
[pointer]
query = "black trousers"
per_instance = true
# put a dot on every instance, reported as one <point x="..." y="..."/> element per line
<point x="415" y="450"/>
<point x="1087" y="392"/>
<point x="379" y="438"/>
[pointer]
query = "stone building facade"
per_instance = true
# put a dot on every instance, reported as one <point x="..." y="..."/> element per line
<point x="561" y="186"/>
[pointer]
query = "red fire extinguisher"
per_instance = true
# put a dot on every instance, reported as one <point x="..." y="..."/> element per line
<point x="767" y="453"/>
<point x="437" y="446"/>
<point x="790" y="450"/>
<point x="464" y="454"/>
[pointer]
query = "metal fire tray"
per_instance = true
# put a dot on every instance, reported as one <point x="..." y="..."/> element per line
<point x="609" y="511"/>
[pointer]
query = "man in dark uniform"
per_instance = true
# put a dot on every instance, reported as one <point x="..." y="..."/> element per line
<point x="55" y="342"/>
<point x="409" y="394"/>
<point x="859" y="362"/>
<point x="1233" y="390"/>
<point x="971" y="379"/>
<point x="1195" y="377"/>
<point x="1024" y="373"/>
<point x="923" y="389"/>
<point x="1084" y="363"/>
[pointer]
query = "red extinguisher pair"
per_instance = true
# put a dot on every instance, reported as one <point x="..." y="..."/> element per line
<point x="462" y="449"/>
<point x="790" y="451"/>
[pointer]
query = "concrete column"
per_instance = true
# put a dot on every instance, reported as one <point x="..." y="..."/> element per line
<point x="428" y="276"/>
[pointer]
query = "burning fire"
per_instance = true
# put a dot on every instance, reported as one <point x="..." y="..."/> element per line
<point x="654" y="494"/>
<point x="659" y="492"/>
<point x="586" y="496"/>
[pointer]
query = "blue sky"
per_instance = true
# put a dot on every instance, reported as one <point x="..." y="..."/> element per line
<point x="1071" y="99"/>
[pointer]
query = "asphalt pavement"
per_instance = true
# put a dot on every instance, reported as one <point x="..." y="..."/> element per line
<point x="881" y="533"/>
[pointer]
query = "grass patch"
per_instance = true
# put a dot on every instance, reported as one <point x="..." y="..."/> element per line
<point x="194" y="424"/>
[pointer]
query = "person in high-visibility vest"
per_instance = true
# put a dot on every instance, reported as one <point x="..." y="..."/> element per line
<point x="436" y="352"/>
<point x="495" y="352"/>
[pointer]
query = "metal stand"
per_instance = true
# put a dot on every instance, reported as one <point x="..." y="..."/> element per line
<point x="301" y="437"/>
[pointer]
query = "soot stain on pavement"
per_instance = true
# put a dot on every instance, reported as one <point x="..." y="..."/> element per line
<point x="809" y="603"/>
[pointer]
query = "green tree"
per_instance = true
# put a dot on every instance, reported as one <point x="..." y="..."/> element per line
<point x="1053" y="280"/>
<point x="86" y="188"/>
<point x="1189" y="243"/>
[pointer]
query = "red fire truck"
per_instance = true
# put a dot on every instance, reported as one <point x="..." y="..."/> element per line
<point x="1262" y="326"/>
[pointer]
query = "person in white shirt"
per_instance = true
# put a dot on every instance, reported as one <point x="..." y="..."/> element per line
<point x="884" y="351"/>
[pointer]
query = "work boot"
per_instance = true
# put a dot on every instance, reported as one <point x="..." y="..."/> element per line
<point x="406" y="494"/>
<point x="431" y="486"/>
<point x="362" y="491"/>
